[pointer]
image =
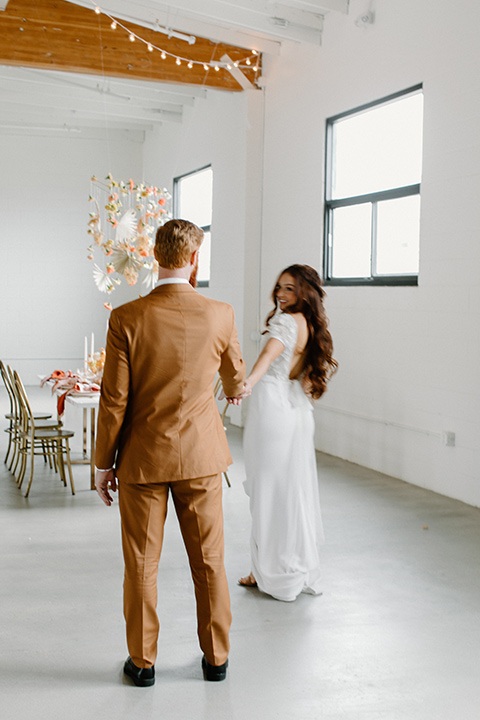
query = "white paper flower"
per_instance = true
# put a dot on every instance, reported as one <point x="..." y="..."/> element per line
<point x="127" y="227"/>
<point x="102" y="280"/>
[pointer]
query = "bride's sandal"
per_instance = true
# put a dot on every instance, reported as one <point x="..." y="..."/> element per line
<point x="248" y="581"/>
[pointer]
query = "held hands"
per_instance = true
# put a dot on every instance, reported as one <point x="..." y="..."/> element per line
<point x="105" y="480"/>
<point x="246" y="391"/>
<point x="230" y="400"/>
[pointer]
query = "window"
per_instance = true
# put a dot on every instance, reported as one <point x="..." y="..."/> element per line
<point x="192" y="200"/>
<point x="372" y="192"/>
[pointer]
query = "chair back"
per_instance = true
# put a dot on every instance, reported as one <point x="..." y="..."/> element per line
<point x="8" y="387"/>
<point x="26" y="415"/>
<point x="16" y="399"/>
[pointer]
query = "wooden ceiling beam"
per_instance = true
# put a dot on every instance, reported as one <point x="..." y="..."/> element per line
<point x="104" y="105"/>
<point x="14" y="91"/>
<point x="57" y="81"/>
<point x="60" y="35"/>
<point x="66" y="121"/>
<point x="138" y="116"/>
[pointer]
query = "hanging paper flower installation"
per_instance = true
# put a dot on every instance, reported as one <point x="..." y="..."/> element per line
<point x="123" y="225"/>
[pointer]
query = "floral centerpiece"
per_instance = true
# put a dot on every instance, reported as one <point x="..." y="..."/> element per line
<point x="122" y="226"/>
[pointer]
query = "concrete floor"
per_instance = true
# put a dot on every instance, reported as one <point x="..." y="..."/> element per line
<point x="396" y="634"/>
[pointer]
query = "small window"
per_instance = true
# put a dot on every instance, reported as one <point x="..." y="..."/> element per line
<point x="372" y="192"/>
<point x="192" y="200"/>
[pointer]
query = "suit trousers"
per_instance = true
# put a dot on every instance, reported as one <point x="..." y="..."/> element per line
<point x="143" y="509"/>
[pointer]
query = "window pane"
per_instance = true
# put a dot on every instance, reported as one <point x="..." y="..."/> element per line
<point x="203" y="273"/>
<point x="398" y="234"/>
<point x="195" y="197"/>
<point x="378" y="149"/>
<point x="353" y="240"/>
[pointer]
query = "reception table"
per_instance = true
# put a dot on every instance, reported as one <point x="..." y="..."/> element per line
<point x="86" y="402"/>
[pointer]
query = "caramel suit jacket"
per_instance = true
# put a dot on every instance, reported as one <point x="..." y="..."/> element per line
<point x="158" y="420"/>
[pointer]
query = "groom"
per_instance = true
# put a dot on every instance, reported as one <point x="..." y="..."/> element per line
<point x="159" y="432"/>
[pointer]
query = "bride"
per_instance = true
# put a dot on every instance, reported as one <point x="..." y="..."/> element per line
<point x="281" y="475"/>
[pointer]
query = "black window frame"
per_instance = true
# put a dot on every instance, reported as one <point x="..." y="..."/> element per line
<point x="371" y="198"/>
<point x="176" y="194"/>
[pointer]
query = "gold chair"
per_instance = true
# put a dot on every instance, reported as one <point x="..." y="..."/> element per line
<point x="42" y="420"/>
<point x="14" y="415"/>
<point x="216" y="391"/>
<point x="35" y="440"/>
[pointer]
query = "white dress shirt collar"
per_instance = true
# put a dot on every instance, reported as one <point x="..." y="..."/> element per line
<point x="172" y="281"/>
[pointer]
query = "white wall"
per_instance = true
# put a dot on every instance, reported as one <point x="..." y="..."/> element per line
<point x="409" y="357"/>
<point x="48" y="301"/>
<point x="214" y="132"/>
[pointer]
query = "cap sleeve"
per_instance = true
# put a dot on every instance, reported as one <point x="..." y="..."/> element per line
<point x="283" y="327"/>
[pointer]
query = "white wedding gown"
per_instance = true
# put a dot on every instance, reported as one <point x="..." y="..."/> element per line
<point x="282" y="481"/>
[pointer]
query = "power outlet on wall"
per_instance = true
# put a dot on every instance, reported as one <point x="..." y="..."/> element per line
<point x="449" y="438"/>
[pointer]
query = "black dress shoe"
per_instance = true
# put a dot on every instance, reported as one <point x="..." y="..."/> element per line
<point x="214" y="673"/>
<point x="142" y="677"/>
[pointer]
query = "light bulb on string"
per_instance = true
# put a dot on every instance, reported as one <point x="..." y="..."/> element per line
<point x="190" y="63"/>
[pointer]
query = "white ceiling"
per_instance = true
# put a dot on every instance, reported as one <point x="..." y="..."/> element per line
<point x="239" y="22"/>
<point x="42" y="102"/>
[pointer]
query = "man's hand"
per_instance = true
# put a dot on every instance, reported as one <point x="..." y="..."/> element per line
<point x="105" y="480"/>
<point x="246" y="391"/>
<point x="230" y="400"/>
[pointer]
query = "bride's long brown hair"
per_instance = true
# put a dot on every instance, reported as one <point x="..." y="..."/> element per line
<point x="319" y="364"/>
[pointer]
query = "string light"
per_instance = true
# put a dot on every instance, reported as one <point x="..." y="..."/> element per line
<point x="215" y="65"/>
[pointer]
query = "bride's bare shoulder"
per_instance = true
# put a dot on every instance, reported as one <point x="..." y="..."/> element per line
<point x="302" y="329"/>
<point x="299" y="319"/>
